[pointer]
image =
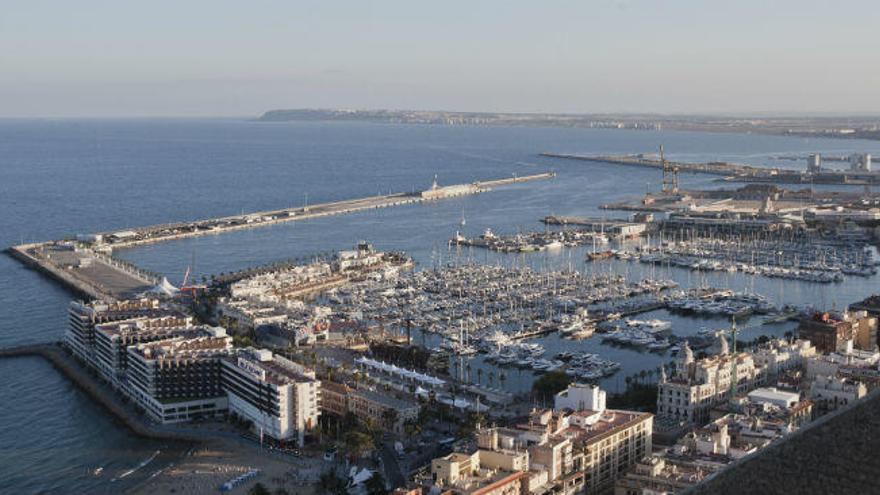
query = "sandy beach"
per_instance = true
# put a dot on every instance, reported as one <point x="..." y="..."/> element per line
<point x="210" y="464"/>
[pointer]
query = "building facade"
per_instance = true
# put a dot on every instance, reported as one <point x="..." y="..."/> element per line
<point x="178" y="379"/>
<point x="281" y="398"/>
<point x="699" y="385"/>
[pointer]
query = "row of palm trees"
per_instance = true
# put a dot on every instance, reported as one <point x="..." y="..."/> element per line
<point x="648" y="376"/>
<point x="465" y="376"/>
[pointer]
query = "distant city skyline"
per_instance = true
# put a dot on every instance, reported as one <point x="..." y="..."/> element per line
<point x="224" y="58"/>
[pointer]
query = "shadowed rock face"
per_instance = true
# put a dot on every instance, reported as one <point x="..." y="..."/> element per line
<point x="839" y="454"/>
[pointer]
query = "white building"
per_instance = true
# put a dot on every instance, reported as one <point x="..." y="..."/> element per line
<point x="770" y="395"/>
<point x="834" y="363"/>
<point x="281" y="398"/>
<point x="698" y="386"/>
<point x="580" y="397"/>
<point x="778" y="355"/>
<point x="829" y="392"/>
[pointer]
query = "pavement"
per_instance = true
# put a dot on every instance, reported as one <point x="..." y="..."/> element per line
<point x="393" y="474"/>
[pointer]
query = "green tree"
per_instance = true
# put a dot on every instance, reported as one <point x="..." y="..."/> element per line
<point x="389" y="417"/>
<point x="550" y="384"/>
<point x="412" y="428"/>
<point x="259" y="489"/>
<point x="358" y="443"/>
<point x="331" y="484"/>
<point x="376" y="484"/>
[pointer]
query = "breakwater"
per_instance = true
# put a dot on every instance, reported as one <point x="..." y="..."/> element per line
<point x="102" y="394"/>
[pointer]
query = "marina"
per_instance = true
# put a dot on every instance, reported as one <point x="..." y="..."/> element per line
<point x="422" y="232"/>
<point x="818" y="262"/>
<point x="85" y="264"/>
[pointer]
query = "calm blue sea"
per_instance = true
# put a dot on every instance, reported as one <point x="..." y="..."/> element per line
<point x="63" y="177"/>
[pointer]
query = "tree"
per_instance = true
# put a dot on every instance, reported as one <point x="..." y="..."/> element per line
<point x="389" y="416"/>
<point x="412" y="427"/>
<point x="376" y="484"/>
<point x="358" y="443"/>
<point x="550" y="384"/>
<point x="332" y="484"/>
<point x="259" y="489"/>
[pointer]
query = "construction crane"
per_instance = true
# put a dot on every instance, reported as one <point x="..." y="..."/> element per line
<point x="670" y="175"/>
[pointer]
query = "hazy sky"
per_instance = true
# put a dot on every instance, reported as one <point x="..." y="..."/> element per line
<point x="217" y="57"/>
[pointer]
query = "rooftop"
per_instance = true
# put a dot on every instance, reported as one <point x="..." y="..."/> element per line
<point x="838" y="451"/>
<point x="609" y="421"/>
<point x="270" y="368"/>
<point x="383" y="399"/>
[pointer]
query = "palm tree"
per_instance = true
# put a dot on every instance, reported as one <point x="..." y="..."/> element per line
<point x="628" y="381"/>
<point x="389" y="416"/>
<point x="642" y="375"/>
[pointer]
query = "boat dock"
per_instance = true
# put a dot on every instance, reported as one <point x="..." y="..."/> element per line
<point x="85" y="266"/>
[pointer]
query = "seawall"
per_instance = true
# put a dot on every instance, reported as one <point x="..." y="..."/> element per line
<point x="99" y="392"/>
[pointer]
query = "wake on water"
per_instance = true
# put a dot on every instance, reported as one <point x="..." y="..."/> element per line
<point x="136" y="468"/>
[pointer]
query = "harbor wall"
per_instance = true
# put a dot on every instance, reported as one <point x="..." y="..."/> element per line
<point x="99" y="392"/>
<point x="77" y="286"/>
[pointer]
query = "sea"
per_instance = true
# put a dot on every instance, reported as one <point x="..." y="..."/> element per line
<point x="60" y="178"/>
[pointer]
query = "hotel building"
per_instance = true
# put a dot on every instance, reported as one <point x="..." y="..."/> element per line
<point x="176" y="380"/>
<point x="281" y="398"/>
<point x="113" y="339"/>
<point x="82" y="318"/>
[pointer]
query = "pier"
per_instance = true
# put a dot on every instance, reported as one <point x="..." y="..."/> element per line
<point x="733" y="172"/>
<point x="85" y="267"/>
<point x="644" y="161"/>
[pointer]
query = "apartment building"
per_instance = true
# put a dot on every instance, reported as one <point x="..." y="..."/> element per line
<point x="831" y="392"/>
<point x="381" y="409"/>
<point x="334" y="398"/>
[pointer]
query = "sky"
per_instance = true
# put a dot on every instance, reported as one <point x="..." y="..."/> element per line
<point x="92" y="58"/>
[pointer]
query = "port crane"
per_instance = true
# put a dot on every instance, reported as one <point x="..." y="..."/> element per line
<point x="670" y="175"/>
